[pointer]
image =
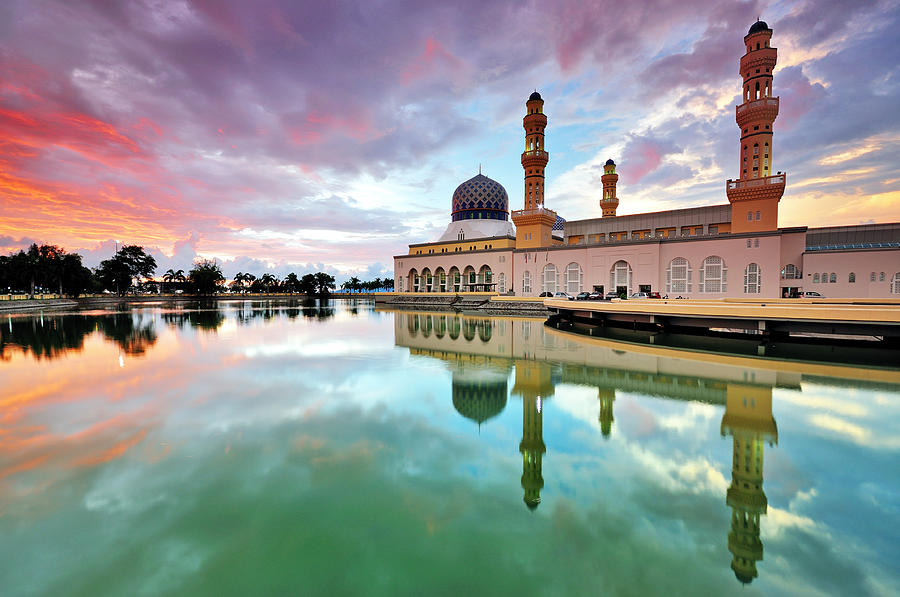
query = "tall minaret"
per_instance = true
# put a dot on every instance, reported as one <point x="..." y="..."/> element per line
<point x="534" y="383"/>
<point x="748" y="418"/>
<point x="754" y="196"/>
<point x="534" y="224"/>
<point x="609" y="202"/>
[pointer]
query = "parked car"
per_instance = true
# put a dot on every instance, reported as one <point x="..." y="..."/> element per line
<point x="638" y="295"/>
<point x="564" y="295"/>
<point x="811" y="294"/>
<point x="583" y="296"/>
<point x="595" y="296"/>
<point x="546" y="294"/>
<point x="611" y="295"/>
<point x="653" y="295"/>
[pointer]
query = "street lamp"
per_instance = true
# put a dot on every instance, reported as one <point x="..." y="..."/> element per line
<point x="117" y="273"/>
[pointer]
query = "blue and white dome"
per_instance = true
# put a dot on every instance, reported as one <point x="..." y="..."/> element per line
<point x="480" y="198"/>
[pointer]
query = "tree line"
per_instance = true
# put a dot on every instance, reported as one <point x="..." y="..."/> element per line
<point x="49" y="268"/>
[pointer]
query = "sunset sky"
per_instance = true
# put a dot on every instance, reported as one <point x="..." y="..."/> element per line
<point x="304" y="136"/>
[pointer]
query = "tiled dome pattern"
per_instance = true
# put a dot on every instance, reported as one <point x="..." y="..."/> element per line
<point x="480" y="198"/>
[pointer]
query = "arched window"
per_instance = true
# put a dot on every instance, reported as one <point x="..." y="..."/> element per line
<point x="461" y="235"/>
<point x="485" y="276"/>
<point x="751" y="279"/>
<point x="872" y="277"/>
<point x="454" y="278"/>
<point x="414" y="280"/>
<point x="713" y="275"/>
<point x="833" y="278"/>
<point x="852" y="277"/>
<point x="895" y="284"/>
<point x="429" y="280"/>
<point x="470" y="326"/>
<point x="486" y="330"/>
<point x="455" y="326"/>
<point x="620" y="276"/>
<point x="468" y="278"/>
<point x="501" y="283"/>
<point x="678" y="276"/>
<point x="815" y="278"/>
<point x="526" y="283"/>
<point x="790" y="272"/>
<point x="573" y="278"/>
<point x="549" y="278"/>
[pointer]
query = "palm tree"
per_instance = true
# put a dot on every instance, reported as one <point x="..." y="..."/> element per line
<point x="291" y="282"/>
<point x="354" y="284"/>
<point x="173" y="276"/>
<point x="267" y="281"/>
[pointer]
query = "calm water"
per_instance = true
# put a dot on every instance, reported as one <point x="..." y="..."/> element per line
<point x="269" y="449"/>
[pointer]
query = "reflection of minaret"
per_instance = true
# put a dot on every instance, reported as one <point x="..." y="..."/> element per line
<point x="748" y="419"/>
<point x="534" y="384"/>
<point x="607" y="397"/>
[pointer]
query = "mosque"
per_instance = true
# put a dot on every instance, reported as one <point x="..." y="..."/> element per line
<point x="686" y="252"/>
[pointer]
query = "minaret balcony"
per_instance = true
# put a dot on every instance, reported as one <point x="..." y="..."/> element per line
<point x="540" y="215"/>
<point x="765" y="109"/>
<point x="767" y="187"/>
<point x="535" y="157"/>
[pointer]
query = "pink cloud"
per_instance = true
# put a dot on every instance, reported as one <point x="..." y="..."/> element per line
<point x="643" y="155"/>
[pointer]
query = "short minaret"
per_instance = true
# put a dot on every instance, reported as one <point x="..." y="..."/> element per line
<point x="748" y="419"/>
<point x="606" y="397"/>
<point x="609" y="202"/>
<point x="754" y="196"/>
<point x="534" y="224"/>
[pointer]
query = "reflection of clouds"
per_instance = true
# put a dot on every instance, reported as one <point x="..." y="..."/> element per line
<point x="854" y="433"/>
<point x="862" y="417"/>
<point x="817" y="398"/>
<point x="778" y="521"/>
<point x="366" y="456"/>
<point x="680" y="472"/>
<point x="320" y="349"/>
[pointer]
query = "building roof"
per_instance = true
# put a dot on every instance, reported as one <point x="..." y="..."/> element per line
<point x="535" y="96"/>
<point x="863" y="236"/>
<point x="674" y="218"/>
<point x="757" y="27"/>
<point x="480" y="196"/>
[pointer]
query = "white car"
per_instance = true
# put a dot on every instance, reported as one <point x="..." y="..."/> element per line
<point x="811" y="294"/>
<point x="564" y="295"/>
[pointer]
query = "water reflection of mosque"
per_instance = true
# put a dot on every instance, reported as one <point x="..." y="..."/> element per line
<point x="481" y="353"/>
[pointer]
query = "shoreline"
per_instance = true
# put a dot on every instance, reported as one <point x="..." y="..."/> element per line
<point x="489" y="304"/>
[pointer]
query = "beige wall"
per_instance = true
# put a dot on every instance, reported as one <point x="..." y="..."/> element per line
<point x="649" y="261"/>
<point x="862" y="263"/>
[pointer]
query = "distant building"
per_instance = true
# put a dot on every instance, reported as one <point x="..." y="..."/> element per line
<point x="683" y="252"/>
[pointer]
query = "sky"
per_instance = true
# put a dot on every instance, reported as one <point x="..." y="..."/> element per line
<point x="326" y="136"/>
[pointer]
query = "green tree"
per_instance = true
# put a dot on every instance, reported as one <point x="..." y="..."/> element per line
<point x="76" y="279"/>
<point x="129" y="263"/>
<point x="324" y="283"/>
<point x="308" y="284"/>
<point x="205" y="277"/>
<point x="268" y="281"/>
<point x="291" y="283"/>
<point x="353" y="284"/>
<point x="173" y="276"/>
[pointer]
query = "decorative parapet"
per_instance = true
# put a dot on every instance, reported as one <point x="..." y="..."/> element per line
<point x="761" y="109"/>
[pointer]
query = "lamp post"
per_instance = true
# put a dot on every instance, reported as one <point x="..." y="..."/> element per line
<point x="117" y="273"/>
